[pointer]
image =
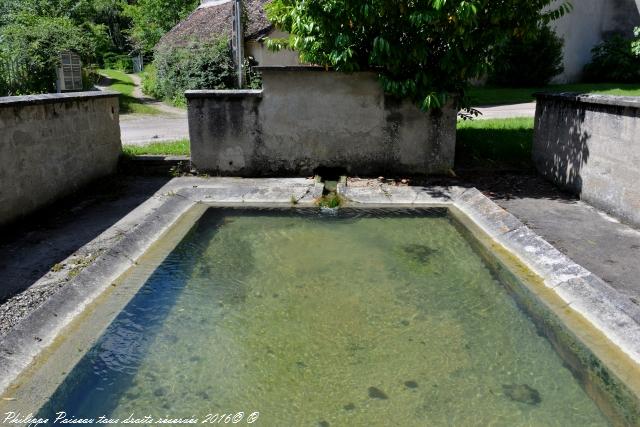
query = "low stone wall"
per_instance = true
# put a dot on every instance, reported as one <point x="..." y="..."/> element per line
<point x="50" y="145"/>
<point x="590" y="145"/>
<point x="306" y="118"/>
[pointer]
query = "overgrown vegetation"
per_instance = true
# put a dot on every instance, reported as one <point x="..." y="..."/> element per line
<point x="172" y="148"/>
<point x="104" y="33"/>
<point x="529" y="60"/>
<point x="495" y="144"/>
<point x="330" y="201"/>
<point x="151" y="19"/>
<point x="198" y="66"/>
<point x="425" y="51"/>
<point x="615" y="60"/>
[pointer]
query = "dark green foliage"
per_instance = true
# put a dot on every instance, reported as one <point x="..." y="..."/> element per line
<point x="114" y="61"/>
<point x="150" y="82"/>
<point x="529" y="61"/>
<point x="151" y="19"/>
<point x="34" y="43"/>
<point x="199" y="66"/>
<point x="423" y="50"/>
<point x="614" y="61"/>
<point x="495" y="144"/>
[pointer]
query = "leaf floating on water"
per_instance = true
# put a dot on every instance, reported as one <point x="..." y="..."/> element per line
<point x="411" y="384"/>
<point x="419" y="253"/>
<point x="522" y="393"/>
<point x="376" y="393"/>
<point x="9" y="399"/>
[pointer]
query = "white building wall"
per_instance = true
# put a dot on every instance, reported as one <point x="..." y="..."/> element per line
<point x="588" y="25"/>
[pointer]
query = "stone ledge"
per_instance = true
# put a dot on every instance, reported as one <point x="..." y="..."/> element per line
<point x="52" y="98"/>
<point x="224" y="94"/>
<point x="609" y="100"/>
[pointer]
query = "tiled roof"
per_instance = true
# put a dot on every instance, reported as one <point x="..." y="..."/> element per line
<point x="214" y="19"/>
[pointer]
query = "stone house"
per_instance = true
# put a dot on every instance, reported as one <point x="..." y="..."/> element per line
<point x="214" y="18"/>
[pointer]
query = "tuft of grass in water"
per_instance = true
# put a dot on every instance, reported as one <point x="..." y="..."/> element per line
<point x="171" y="148"/>
<point x="122" y="83"/>
<point x="495" y="144"/>
<point x="330" y="201"/>
<point x="491" y="95"/>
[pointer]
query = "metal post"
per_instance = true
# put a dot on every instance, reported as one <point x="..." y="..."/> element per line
<point x="239" y="36"/>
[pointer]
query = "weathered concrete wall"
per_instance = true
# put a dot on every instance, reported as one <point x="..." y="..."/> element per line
<point x="590" y="22"/>
<point x="51" y="145"/>
<point x="590" y="145"/>
<point x="257" y="49"/>
<point x="306" y="118"/>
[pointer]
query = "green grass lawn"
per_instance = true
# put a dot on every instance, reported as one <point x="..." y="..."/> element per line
<point x="495" y="144"/>
<point x="122" y="83"/>
<point x="172" y="148"/>
<point x="488" y="95"/>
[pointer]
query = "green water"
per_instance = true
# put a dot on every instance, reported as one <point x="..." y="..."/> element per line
<point x="354" y="320"/>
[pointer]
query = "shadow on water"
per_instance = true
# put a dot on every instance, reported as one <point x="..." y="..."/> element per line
<point x="102" y="377"/>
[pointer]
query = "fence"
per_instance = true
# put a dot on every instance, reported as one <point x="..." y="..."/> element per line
<point x="14" y="77"/>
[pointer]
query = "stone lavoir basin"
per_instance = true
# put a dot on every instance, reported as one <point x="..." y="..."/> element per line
<point x="367" y="315"/>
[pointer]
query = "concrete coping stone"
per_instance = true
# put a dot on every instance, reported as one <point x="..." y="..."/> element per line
<point x="293" y="68"/>
<point x="585" y="293"/>
<point x="224" y="94"/>
<point x="610" y="100"/>
<point x="52" y="98"/>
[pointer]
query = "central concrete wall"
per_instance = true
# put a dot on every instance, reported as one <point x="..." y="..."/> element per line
<point x="50" y="145"/>
<point x="306" y="118"/>
<point x="590" y="145"/>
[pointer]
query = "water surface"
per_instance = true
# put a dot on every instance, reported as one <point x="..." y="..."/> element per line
<point x="360" y="318"/>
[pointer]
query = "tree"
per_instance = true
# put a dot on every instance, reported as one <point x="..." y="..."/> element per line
<point x="530" y="61"/>
<point x="425" y="50"/>
<point x="35" y="42"/>
<point x="151" y="19"/>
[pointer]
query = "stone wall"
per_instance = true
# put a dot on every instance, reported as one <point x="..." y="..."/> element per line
<point x="50" y="145"/>
<point x="306" y="118"/>
<point x="590" y="145"/>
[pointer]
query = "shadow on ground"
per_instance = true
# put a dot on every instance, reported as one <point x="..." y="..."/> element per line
<point x="495" y="148"/>
<point x="33" y="246"/>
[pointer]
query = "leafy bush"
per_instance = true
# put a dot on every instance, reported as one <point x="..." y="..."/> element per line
<point x="199" y="66"/>
<point x="613" y="60"/>
<point x="113" y="61"/>
<point x="35" y="43"/>
<point x="90" y="77"/>
<point x="423" y="50"/>
<point x="150" y="82"/>
<point x="529" y="61"/>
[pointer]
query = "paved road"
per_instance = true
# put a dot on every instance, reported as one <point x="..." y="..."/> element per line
<point x="507" y="111"/>
<point x="137" y="129"/>
<point x="140" y="129"/>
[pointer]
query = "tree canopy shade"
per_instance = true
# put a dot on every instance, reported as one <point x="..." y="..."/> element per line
<point x="425" y="50"/>
<point x="151" y="19"/>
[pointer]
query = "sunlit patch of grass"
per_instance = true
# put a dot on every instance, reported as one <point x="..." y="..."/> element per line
<point x="122" y="83"/>
<point x="170" y="148"/>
